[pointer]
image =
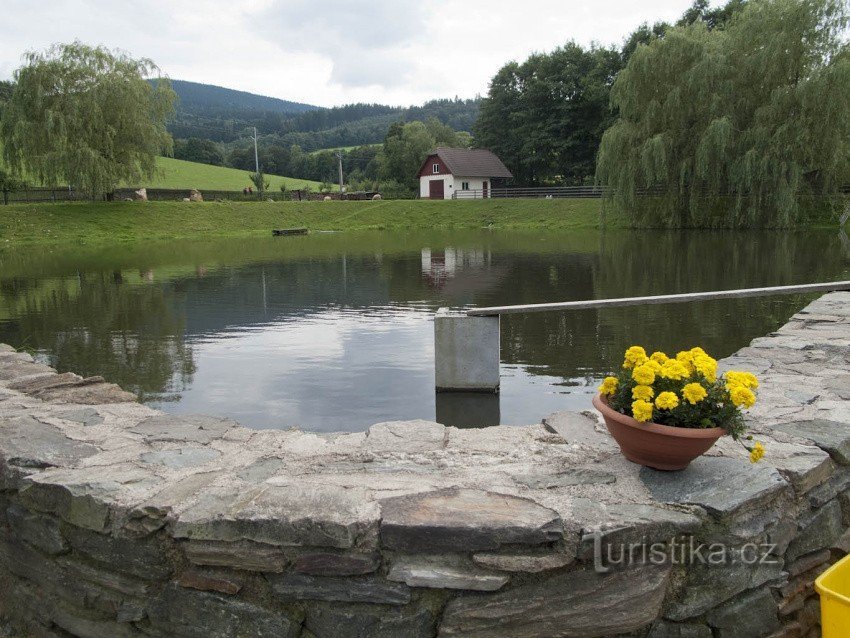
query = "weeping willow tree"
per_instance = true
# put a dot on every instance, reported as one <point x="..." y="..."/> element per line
<point x="736" y="126"/>
<point x="87" y="117"/>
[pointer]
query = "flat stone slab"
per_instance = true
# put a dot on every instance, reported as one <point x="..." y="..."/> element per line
<point x="567" y="605"/>
<point x="434" y="573"/>
<point x="181" y="458"/>
<point x="340" y="620"/>
<point x="326" y="564"/>
<point x="300" y="514"/>
<point x="465" y="520"/>
<point x="719" y="485"/>
<point x="30" y="385"/>
<point x="405" y="436"/>
<point x="292" y="587"/>
<point x="27" y="442"/>
<point x="84" y="416"/>
<point x="187" y="612"/>
<point x="707" y="586"/>
<point x="241" y="555"/>
<point x="805" y="467"/>
<point x="832" y="436"/>
<point x="19" y="368"/>
<point x="196" y="428"/>
<point x="529" y="563"/>
<point x="568" y="477"/>
<point x="580" y="429"/>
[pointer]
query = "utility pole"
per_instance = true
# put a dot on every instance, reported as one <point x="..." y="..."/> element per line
<point x="339" y="157"/>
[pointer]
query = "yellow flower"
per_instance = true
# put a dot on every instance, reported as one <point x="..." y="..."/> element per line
<point x="693" y="393"/>
<point x="643" y="392"/>
<point x="686" y="358"/>
<point x="635" y="356"/>
<point x="609" y="386"/>
<point x="697" y="352"/>
<point x="756" y="453"/>
<point x="674" y="370"/>
<point x="644" y="375"/>
<point x="653" y="365"/>
<point x="742" y="396"/>
<point x="706" y="366"/>
<point x="659" y="357"/>
<point x="642" y="410"/>
<point x="667" y="400"/>
<point x="746" y="379"/>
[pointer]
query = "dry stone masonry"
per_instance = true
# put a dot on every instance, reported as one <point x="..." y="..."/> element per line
<point x="118" y="520"/>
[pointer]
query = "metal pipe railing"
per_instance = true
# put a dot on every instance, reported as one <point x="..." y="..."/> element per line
<point x="659" y="299"/>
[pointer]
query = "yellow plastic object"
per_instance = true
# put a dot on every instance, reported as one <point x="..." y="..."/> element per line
<point x="834" y="589"/>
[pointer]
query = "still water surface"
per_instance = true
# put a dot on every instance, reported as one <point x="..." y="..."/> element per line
<point x="334" y="332"/>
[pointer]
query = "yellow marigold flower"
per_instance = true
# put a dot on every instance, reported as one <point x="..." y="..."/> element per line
<point x="659" y="357"/>
<point x="635" y="356"/>
<point x="746" y="379"/>
<point x="750" y="380"/>
<point x="642" y="410"/>
<point x="693" y="393"/>
<point x="643" y="392"/>
<point x="742" y="396"/>
<point x="644" y="375"/>
<point x="706" y="366"/>
<point x="667" y="400"/>
<point x="697" y="352"/>
<point x="654" y="366"/>
<point x="756" y="453"/>
<point x="687" y="360"/>
<point x="674" y="370"/>
<point x="609" y="386"/>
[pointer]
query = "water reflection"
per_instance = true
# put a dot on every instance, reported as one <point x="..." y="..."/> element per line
<point x="333" y="331"/>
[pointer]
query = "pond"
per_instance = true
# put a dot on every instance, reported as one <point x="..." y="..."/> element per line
<point x="333" y="332"/>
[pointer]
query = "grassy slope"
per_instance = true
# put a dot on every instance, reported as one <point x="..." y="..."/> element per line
<point x="133" y="221"/>
<point x="341" y="148"/>
<point x="181" y="174"/>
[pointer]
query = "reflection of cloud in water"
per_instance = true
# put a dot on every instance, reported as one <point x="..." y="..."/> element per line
<point x="306" y="372"/>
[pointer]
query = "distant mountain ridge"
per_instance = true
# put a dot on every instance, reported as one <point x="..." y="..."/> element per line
<point x="198" y="98"/>
<point x="228" y="116"/>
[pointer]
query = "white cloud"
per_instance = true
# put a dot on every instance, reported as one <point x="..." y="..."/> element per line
<point x="333" y="52"/>
<point x="369" y="43"/>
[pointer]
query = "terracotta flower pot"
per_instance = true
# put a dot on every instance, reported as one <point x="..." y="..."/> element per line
<point x="657" y="446"/>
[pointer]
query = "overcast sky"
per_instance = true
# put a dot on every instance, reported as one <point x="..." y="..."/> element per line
<point x="329" y="52"/>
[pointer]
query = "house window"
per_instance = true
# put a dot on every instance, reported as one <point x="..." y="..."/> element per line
<point x="435" y="168"/>
<point x="464" y="186"/>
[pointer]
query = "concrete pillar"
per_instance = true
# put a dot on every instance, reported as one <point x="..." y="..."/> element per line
<point x="466" y="352"/>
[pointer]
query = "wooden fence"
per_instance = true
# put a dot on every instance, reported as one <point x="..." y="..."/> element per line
<point x="39" y="195"/>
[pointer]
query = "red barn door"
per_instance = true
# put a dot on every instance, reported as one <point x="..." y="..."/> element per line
<point x="436" y="189"/>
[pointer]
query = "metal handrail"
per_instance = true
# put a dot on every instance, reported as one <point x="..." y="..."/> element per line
<point x="659" y="299"/>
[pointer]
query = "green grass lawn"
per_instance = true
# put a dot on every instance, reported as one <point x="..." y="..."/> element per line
<point x="135" y="221"/>
<point x="174" y="173"/>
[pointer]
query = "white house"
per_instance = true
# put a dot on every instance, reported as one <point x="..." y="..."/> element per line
<point x="455" y="173"/>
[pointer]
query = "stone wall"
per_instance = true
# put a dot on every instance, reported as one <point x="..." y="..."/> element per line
<point x="118" y="520"/>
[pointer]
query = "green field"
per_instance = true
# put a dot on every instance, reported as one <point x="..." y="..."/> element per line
<point x="135" y="221"/>
<point x="174" y="173"/>
<point x="341" y="148"/>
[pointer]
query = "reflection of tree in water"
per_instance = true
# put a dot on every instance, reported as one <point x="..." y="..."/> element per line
<point x="581" y="343"/>
<point x="129" y="334"/>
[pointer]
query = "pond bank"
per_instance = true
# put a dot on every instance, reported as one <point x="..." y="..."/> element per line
<point x="94" y="223"/>
<point x="116" y="519"/>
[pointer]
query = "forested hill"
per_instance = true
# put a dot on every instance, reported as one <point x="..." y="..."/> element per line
<point x="208" y="99"/>
<point x="224" y="115"/>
